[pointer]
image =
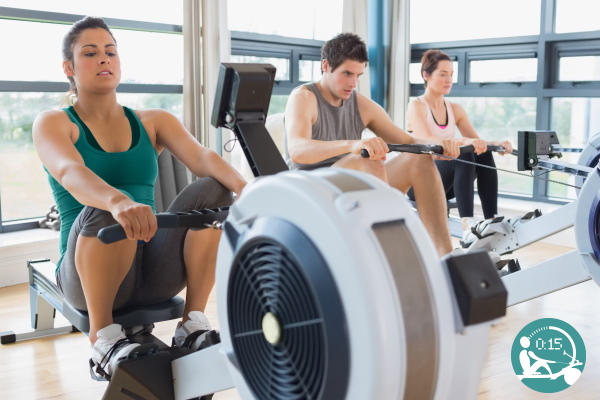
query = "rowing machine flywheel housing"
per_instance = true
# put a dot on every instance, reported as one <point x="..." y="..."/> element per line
<point x="587" y="224"/>
<point x="328" y="287"/>
<point x="589" y="157"/>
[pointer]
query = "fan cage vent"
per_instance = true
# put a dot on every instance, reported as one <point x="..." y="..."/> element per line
<point x="267" y="278"/>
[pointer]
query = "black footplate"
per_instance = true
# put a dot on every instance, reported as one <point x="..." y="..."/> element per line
<point x="146" y="373"/>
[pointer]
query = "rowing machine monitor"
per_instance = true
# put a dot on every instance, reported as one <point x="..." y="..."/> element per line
<point x="241" y="104"/>
<point x="534" y="145"/>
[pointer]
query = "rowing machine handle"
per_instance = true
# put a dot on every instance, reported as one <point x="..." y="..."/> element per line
<point x="197" y="219"/>
<point x="498" y="149"/>
<point x="419" y="149"/>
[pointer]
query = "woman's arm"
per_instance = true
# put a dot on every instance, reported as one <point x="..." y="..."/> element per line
<point x="202" y="161"/>
<point x="468" y="131"/>
<point x="53" y="138"/>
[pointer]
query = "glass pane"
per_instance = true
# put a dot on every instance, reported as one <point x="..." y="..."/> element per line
<point x="149" y="57"/>
<point x="563" y="185"/>
<point x="577" y="15"/>
<point x="282" y="64"/>
<point x="165" y="101"/>
<point x="414" y="73"/>
<point x="170" y="12"/>
<point x="514" y="70"/>
<point x="278" y="103"/>
<point x="573" y="69"/>
<point x="442" y="20"/>
<point x="146" y="57"/>
<point x="315" y="19"/>
<point x="23" y="182"/>
<point x="43" y="59"/>
<point x="310" y="70"/>
<point x="500" y="119"/>
<point x="574" y="120"/>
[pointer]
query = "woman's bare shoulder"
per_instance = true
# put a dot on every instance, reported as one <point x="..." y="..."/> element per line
<point x="54" y="118"/>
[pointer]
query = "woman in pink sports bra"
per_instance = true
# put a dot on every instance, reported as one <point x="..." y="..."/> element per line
<point x="431" y="116"/>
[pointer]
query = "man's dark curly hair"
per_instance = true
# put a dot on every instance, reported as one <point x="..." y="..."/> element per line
<point x="345" y="46"/>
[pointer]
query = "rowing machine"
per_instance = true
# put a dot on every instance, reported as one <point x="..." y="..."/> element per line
<point x="328" y="287"/>
<point x="538" y="151"/>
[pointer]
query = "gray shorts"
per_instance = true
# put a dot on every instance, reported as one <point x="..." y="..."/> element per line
<point x="158" y="271"/>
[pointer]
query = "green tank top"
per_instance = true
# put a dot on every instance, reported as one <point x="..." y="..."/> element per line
<point x="133" y="172"/>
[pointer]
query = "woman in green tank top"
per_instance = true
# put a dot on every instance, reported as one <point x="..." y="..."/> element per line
<point x="101" y="160"/>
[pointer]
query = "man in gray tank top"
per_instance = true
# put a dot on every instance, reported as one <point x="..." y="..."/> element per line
<point x="324" y="121"/>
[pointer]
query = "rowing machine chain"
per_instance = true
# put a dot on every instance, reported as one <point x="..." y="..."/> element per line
<point x="505" y="170"/>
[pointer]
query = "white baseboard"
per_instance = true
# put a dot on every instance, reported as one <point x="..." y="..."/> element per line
<point x="18" y="247"/>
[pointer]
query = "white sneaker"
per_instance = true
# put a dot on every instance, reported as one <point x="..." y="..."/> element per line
<point x="111" y="346"/>
<point x="468" y="236"/>
<point x="193" y="332"/>
<point x="495" y="257"/>
<point x="457" y="252"/>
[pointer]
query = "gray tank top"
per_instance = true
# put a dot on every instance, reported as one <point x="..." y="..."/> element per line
<point x="333" y="123"/>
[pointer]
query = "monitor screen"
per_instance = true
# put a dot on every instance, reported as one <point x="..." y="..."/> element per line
<point x="242" y="88"/>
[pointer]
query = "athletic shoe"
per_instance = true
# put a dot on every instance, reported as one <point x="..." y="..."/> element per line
<point x="470" y="229"/>
<point x="112" y="345"/>
<point x="193" y="332"/>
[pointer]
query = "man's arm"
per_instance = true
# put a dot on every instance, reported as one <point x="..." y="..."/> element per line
<point x="301" y="113"/>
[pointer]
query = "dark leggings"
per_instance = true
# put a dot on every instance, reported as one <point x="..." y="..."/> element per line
<point x="458" y="180"/>
<point x="158" y="272"/>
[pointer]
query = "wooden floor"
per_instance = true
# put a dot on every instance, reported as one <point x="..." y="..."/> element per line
<point x="56" y="368"/>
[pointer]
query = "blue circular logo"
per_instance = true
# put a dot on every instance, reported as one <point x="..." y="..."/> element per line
<point x="548" y="355"/>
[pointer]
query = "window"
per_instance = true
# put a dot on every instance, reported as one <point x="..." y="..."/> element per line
<point x="574" y="120"/>
<point x="511" y="70"/>
<point x="43" y="42"/>
<point x="415" y="77"/>
<point x="577" y="16"/>
<point x="442" y="20"/>
<point x="281" y="64"/>
<point x="584" y="68"/>
<point x="152" y="76"/>
<point x="546" y="64"/>
<point x="309" y="70"/>
<point x="312" y="20"/>
<point x="23" y="183"/>
<point x="501" y="119"/>
<point x="150" y="57"/>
